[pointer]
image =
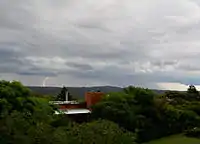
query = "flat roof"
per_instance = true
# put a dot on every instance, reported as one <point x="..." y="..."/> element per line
<point x="63" y="102"/>
<point x="73" y="111"/>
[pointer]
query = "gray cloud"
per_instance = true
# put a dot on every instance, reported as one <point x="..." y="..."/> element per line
<point x="190" y="67"/>
<point x="100" y="42"/>
<point x="163" y="63"/>
<point x="38" y="73"/>
<point x="84" y="67"/>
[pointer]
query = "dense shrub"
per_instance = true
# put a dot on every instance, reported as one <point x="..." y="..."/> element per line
<point x="29" y="119"/>
<point x="101" y="132"/>
<point x="136" y="114"/>
<point x="150" y="116"/>
<point x="195" y="132"/>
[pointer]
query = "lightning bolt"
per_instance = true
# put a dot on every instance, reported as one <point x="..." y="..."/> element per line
<point x="44" y="81"/>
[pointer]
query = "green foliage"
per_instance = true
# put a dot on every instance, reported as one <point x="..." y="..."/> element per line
<point x="136" y="114"/>
<point x="194" y="132"/>
<point x="176" y="139"/>
<point x="13" y="96"/>
<point x="101" y="132"/>
<point x="148" y="115"/>
<point x="192" y="93"/>
<point x="26" y="118"/>
<point x="117" y="108"/>
<point x="62" y="95"/>
<point x="195" y="107"/>
<point x="192" y="90"/>
<point x="141" y="96"/>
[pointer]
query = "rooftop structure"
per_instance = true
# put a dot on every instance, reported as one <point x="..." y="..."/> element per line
<point x="73" y="111"/>
<point x="63" y="102"/>
<point x="74" y="107"/>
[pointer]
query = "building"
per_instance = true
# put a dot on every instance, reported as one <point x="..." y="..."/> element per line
<point x="79" y="111"/>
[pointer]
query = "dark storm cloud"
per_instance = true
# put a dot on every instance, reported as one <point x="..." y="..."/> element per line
<point x="38" y="73"/>
<point x="107" y="41"/>
<point x="117" y="76"/>
<point x="10" y="60"/>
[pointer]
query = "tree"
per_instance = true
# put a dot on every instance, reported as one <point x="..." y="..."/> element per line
<point x="101" y="132"/>
<point x="21" y="114"/>
<point x="192" y="90"/>
<point x="141" y="95"/>
<point x="14" y="96"/>
<point x="143" y="112"/>
<point x="117" y="107"/>
<point x="62" y="95"/>
<point x="192" y="93"/>
<point x="25" y="118"/>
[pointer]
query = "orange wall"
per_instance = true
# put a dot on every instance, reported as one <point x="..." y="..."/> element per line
<point x="92" y="98"/>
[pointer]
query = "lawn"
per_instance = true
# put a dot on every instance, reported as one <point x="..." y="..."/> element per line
<point x="177" y="139"/>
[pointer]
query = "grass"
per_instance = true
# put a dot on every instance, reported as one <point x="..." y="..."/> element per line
<point x="177" y="139"/>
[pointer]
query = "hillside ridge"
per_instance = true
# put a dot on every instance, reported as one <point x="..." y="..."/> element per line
<point x="79" y="92"/>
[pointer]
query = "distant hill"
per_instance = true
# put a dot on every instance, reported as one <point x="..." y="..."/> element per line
<point x="45" y="90"/>
<point x="77" y="92"/>
<point x="159" y="91"/>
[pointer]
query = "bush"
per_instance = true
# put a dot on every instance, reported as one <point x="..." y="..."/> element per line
<point x="100" y="132"/>
<point x="195" y="132"/>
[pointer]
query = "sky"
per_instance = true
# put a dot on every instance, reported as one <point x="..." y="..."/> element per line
<point x="147" y="43"/>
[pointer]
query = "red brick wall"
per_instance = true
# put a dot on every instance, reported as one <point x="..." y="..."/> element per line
<point x="92" y="98"/>
<point x="73" y="106"/>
